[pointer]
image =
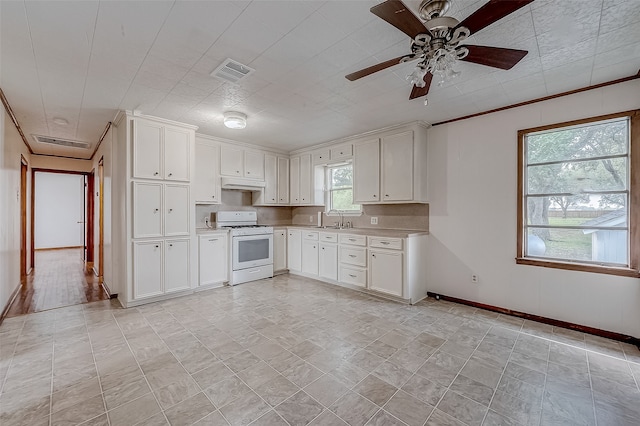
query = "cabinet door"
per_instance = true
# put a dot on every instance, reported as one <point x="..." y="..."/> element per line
<point x="310" y="257"/>
<point x="386" y="272"/>
<point x="254" y="165"/>
<point x="279" y="250"/>
<point x="294" y="250"/>
<point x="231" y="161"/>
<point x="328" y="261"/>
<point x="270" y="179"/>
<point x="305" y="179"/>
<point x="147" y="269"/>
<point x="147" y="213"/>
<point x="366" y="172"/>
<point x="177" y="154"/>
<point x="206" y="182"/>
<point x="176" y="265"/>
<point x="283" y="180"/>
<point x="397" y="167"/>
<point x="176" y="210"/>
<point x="213" y="259"/>
<point x="147" y="149"/>
<point x="294" y="181"/>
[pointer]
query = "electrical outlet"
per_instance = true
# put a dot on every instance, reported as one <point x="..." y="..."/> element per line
<point x="374" y="220"/>
<point x="310" y="219"/>
<point x="474" y="278"/>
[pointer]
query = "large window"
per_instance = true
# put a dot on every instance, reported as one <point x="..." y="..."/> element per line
<point x="340" y="189"/>
<point x="579" y="190"/>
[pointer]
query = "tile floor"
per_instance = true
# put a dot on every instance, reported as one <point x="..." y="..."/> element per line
<point x="291" y="351"/>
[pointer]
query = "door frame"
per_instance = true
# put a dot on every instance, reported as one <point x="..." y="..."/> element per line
<point x="24" y="170"/>
<point x="89" y="225"/>
<point x="100" y="220"/>
<point x="88" y="218"/>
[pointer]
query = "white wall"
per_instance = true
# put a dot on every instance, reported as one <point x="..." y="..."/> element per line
<point x="60" y="163"/>
<point x="59" y="210"/>
<point x="473" y="200"/>
<point x="11" y="147"/>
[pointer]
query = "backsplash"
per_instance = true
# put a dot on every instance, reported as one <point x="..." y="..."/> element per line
<point x="241" y="200"/>
<point x="390" y="216"/>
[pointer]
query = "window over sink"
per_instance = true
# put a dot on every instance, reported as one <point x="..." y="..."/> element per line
<point x="339" y="189"/>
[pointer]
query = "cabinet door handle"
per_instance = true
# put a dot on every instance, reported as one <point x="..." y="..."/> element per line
<point x="170" y="210"/>
<point x="386" y="195"/>
<point x="170" y="245"/>
<point x="374" y="195"/>
<point x="156" y="210"/>
<point x="322" y="248"/>
<point x="373" y="255"/>
<point x="157" y="246"/>
<point x="352" y="255"/>
<point x="156" y="174"/>
<point x="213" y="196"/>
<point x="170" y="174"/>
<point x="237" y="171"/>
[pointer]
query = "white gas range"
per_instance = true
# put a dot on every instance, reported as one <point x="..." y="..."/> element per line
<point x="251" y="246"/>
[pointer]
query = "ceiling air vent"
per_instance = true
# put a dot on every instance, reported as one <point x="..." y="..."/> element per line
<point x="61" y="142"/>
<point x="231" y="71"/>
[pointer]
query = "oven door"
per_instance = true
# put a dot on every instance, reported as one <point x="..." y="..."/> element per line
<point x="250" y="251"/>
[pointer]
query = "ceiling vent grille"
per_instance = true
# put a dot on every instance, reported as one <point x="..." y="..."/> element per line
<point x="231" y="71"/>
<point x="61" y="142"/>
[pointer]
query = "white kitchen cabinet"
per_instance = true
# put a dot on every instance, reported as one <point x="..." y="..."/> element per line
<point x="212" y="256"/>
<point x="353" y="275"/>
<point x="176" y="265"/>
<point x="161" y="151"/>
<point x="397" y="167"/>
<point x="176" y="153"/>
<point x="366" y="172"/>
<point x="231" y="161"/>
<point x="176" y="210"/>
<point x="147" y="269"/>
<point x="391" y="168"/>
<point x="328" y="261"/>
<point x="270" y="194"/>
<point x="321" y="156"/>
<point x="279" y="249"/>
<point x="386" y="272"/>
<point x="254" y="165"/>
<point x="207" y="181"/>
<point x="294" y="181"/>
<point x="294" y="250"/>
<point x="306" y="177"/>
<point x="147" y="210"/>
<point x="283" y="180"/>
<point x="341" y="152"/>
<point x="310" y="257"/>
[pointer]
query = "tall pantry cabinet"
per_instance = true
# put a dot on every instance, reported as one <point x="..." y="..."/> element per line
<point x="158" y="250"/>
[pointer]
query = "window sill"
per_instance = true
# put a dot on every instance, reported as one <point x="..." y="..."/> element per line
<point x="583" y="267"/>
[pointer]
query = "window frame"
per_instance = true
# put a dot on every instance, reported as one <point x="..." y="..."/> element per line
<point x="328" y="190"/>
<point x="633" y="213"/>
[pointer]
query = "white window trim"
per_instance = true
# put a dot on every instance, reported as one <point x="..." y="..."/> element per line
<point x="327" y="195"/>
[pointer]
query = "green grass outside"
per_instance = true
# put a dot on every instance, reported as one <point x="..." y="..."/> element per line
<point x="568" y="243"/>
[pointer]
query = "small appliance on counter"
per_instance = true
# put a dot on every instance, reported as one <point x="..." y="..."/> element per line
<point x="251" y="246"/>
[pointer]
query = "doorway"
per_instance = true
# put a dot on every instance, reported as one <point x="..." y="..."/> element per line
<point x="61" y="243"/>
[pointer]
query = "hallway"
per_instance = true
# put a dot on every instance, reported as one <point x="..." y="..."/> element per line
<point x="58" y="280"/>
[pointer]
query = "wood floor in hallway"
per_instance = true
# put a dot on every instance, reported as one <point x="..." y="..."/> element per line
<point x="59" y="279"/>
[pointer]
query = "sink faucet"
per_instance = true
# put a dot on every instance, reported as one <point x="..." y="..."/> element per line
<point x="341" y="223"/>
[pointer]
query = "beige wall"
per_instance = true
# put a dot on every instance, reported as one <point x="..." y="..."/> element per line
<point x="473" y="200"/>
<point x="60" y="163"/>
<point x="11" y="148"/>
<point x="390" y="216"/>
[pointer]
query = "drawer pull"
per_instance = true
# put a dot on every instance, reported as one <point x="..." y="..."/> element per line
<point x="386" y="243"/>
<point x="352" y="255"/>
<point x="352" y="276"/>
<point x="352" y="239"/>
<point x="213" y="240"/>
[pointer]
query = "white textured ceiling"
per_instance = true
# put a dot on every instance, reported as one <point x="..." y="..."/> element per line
<point x="84" y="60"/>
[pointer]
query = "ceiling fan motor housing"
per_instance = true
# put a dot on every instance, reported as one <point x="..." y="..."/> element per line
<point x="430" y="9"/>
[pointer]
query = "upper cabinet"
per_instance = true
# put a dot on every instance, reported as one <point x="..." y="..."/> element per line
<point x="391" y="169"/>
<point x="276" y="180"/>
<point x="238" y="162"/>
<point x="306" y="181"/>
<point x="161" y="151"/>
<point x="207" y="180"/>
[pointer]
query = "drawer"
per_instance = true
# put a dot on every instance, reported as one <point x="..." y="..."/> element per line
<point x="353" y="275"/>
<point x="311" y="236"/>
<point x="354" y="240"/>
<point x="329" y="237"/>
<point x="321" y="156"/>
<point x="388" y="243"/>
<point x="353" y="255"/>
<point x="342" y="151"/>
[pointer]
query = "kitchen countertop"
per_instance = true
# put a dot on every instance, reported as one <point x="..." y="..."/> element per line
<point x="374" y="232"/>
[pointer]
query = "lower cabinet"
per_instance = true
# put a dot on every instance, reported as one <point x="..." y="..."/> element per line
<point x="386" y="272"/>
<point x="294" y="250"/>
<point x="328" y="261"/>
<point x="310" y="257"/>
<point x="160" y="267"/>
<point x="279" y="250"/>
<point x="213" y="259"/>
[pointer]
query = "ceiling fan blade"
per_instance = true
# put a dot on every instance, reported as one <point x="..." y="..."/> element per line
<point x="398" y="15"/>
<point x="418" y="92"/>
<point x="374" y="68"/>
<point x="491" y="12"/>
<point x="496" y="57"/>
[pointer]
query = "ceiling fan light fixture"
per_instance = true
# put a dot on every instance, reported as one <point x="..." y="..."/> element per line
<point x="235" y="120"/>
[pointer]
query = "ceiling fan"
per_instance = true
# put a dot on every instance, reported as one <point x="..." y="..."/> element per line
<point x="436" y="43"/>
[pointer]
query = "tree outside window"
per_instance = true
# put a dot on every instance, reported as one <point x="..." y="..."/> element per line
<point x="340" y="189"/>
